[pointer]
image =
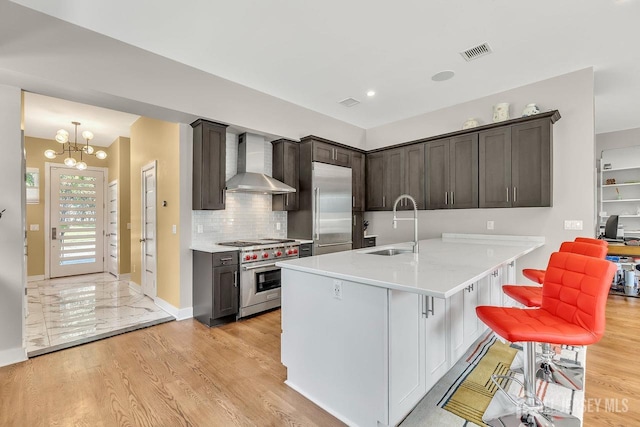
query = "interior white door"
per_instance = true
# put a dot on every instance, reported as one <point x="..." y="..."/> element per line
<point x="148" y="230"/>
<point x="112" y="228"/>
<point x="77" y="222"/>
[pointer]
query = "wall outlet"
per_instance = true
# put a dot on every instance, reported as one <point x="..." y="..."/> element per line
<point x="199" y="229"/>
<point x="490" y="225"/>
<point x="337" y="289"/>
<point x="573" y="224"/>
<point x="278" y="226"/>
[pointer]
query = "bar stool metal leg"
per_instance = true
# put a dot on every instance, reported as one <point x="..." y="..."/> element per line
<point x="530" y="411"/>
<point x="566" y="374"/>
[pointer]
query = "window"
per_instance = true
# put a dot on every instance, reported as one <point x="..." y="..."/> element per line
<point x="33" y="185"/>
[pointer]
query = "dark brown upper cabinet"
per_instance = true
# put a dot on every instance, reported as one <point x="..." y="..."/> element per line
<point x="515" y="165"/>
<point x="358" y="181"/>
<point x="452" y="173"/>
<point x="286" y="168"/>
<point x="209" y="165"/>
<point x="332" y="154"/>
<point x="393" y="172"/>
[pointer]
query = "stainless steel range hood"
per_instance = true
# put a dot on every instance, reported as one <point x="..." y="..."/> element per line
<point x="251" y="177"/>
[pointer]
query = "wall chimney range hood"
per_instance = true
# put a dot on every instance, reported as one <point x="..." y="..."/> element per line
<point x="251" y="177"/>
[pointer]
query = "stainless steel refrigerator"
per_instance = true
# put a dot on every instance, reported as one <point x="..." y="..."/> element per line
<point x="325" y="214"/>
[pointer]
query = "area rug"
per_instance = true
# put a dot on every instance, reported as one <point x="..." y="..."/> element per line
<point x="466" y="392"/>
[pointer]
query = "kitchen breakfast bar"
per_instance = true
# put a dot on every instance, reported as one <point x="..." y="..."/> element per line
<point x="367" y="333"/>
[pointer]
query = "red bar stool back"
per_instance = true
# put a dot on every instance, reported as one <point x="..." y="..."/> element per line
<point x="592" y="241"/>
<point x="574" y="298"/>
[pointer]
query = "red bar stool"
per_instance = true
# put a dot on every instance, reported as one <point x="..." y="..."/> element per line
<point x="566" y="374"/>
<point x="537" y="276"/>
<point x="574" y="298"/>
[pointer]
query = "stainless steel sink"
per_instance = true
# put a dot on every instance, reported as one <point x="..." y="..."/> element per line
<point x="391" y="251"/>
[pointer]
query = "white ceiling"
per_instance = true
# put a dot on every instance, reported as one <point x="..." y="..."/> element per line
<point x="44" y="115"/>
<point x="315" y="54"/>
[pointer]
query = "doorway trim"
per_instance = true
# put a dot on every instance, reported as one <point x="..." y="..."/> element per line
<point x="47" y="213"/>
<point x="151" y="165"/>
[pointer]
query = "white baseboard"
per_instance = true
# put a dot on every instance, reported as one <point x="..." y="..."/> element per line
<point x="135" y="286"/>
<point x="12" y="355"/>
<point x="35" y="278"/>
<point x="178" y="313"/>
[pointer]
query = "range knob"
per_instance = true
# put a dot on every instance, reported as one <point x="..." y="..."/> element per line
<point x="295" y="251"/>
<point x="254" y="256"/>
<point x="290" y="251"/>
<point x="265" y="255"/>
<point x="278" y="253"/>
<point x="247" y="257"/>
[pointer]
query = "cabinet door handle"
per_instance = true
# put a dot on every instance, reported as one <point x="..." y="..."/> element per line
<point x="452" y="200"/>
<point x="235" y="279"/>
<point x="226" y="259"/>
<point x="515" y="197"/>
<point x="507" y="188"/>
<point x="354" y="220"/>
<point x="427" y="307"/>
<point x="353" y="201"/>
<point x="286" y="199"/>
<point x="383" y="202"/>
<point x="446" y="197"/>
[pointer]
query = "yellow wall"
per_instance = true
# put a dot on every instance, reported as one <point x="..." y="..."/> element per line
<point x="35" y="148"/>
<point x="157" y="140"/>
<point x="119" y="168"/>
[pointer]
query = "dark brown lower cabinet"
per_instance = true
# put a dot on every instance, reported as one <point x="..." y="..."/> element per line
<point x="216" y="287"/>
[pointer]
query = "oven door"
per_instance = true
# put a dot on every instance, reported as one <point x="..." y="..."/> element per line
<point x="260" y="284"/>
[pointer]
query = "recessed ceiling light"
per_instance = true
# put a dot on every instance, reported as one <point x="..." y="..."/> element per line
<point x="442" y="76"/>
<point x="371" y="93"/>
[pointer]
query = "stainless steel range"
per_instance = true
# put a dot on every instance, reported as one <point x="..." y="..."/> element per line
<point x="259" y="276"/>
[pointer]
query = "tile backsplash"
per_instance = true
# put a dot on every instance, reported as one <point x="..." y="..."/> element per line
<point x="247" y="216"/>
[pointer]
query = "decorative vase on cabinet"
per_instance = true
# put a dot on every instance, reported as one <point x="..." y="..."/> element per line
<point x="500" y="112"/>
<point x="530" y="110"/>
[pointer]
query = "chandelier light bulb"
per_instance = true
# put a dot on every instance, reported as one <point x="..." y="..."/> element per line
<point x="88" y="135"/>
<point x="88" y="149"/>
<point x="70" y="162"/>
<point x="81" y="166"/>
<point x="62" y="137"/>
<point x="101" y="154"/>
<point x="50" y="154"/>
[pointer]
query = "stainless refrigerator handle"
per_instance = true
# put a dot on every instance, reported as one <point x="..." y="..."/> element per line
<point x="317" y="212"/>
<point x="335" y="244"/>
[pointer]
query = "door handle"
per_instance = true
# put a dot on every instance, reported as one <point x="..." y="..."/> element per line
<point x="54" y="233"/>
<point x="143" y="240"/>
<point x="317" y="224"/>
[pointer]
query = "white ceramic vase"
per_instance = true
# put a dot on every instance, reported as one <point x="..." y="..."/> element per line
<point x="470" y="123"/>
<point x="501" y="112"/>
<point x="530" y="110"/>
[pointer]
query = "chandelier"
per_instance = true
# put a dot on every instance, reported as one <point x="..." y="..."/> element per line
<point x="69" y="148"/>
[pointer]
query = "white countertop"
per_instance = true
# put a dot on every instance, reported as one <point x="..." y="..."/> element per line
<point x="370" y="235"/>
<point x="443" y="267"/>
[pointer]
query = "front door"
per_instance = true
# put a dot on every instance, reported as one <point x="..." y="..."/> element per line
<point x="76" y="219"/>
<point x="148" y="230"/>
<point x="112" y="231"/>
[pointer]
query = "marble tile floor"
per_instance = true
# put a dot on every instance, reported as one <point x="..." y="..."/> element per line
<point x="70" y="311"/>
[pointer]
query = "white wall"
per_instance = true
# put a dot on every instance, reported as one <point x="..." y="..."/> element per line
<point x="619" y="139"/>
<point x="12" y="267"/>
<point x="573" y="167"/>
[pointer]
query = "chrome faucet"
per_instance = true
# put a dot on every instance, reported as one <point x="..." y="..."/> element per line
<point x="414" y="219"/>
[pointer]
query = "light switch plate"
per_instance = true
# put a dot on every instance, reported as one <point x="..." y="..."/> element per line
<point x="573" y="224"/>
<point x="490" y="225"/>
<point x="174" y="229"/>
<point x="34" y="227"/>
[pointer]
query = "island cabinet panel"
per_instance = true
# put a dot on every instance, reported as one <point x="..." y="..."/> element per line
<point x="436" y="332"/>
<point x="209" y="165"/>
<point x="452" y="173"/>
<point x="286" y="168"/>
<point x="407" y="353"/>
<point x="358" y="181"/>
<point x="465" y="325"/>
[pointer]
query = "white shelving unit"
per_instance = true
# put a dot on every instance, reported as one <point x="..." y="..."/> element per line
<point x="621" y="198"/>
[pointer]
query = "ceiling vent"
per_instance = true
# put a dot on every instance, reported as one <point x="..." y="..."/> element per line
<point x="349" y="102"/>
<point x="476" y="52"/>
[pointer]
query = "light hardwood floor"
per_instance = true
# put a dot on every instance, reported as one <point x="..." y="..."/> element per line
<point x="184" y="374"/>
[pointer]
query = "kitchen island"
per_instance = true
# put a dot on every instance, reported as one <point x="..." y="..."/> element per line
<point x="365" y="336"/>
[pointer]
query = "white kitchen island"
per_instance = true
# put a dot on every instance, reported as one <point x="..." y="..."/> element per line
<point x="366" y="336"/>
